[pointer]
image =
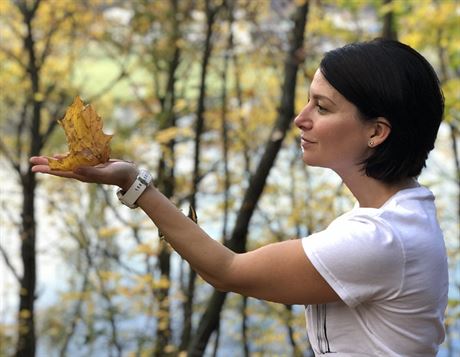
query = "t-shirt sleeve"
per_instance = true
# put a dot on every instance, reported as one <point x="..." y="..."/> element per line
<point x="360" y="257"/>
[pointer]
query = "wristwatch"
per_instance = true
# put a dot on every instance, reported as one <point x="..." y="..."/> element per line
<point x="129" y="198"/>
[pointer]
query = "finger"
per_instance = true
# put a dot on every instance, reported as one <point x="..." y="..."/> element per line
<point x="92" y="174"/>
<point x="115" y="160"/>
<point x="86" y="171"/>
<point x="38" y="160"/>
<point x="113" y="172"/>
<point x="40" y="168"/>
<point x="58" y="156"/>
<point x="45" y="169"/>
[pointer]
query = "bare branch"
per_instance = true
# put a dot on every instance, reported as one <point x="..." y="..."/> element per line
<point x="139" y="97"/>
<point x="9" y="265"/>
<point x="12" y="25"/>
<point x="53" y="30"/>
<point x="35" y="7"/>
<point x="76" y="314"/>
<point x="53" y="123"/>
<point x="13" y="56"/>
<point x="112" y="208"/>
<point x="22" y="5"/>
<point x="9" y="156"/>
<point x="110" y="85"/>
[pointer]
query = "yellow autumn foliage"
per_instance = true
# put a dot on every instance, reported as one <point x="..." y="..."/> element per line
<point x="145" y="248"/>
<point x="88" y="145"/>
<point x="166" y="135"/>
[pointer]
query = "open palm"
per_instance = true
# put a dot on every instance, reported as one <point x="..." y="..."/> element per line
<point x="113" y="172"/>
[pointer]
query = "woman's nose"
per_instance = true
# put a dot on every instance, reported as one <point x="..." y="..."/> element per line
<point x="302" y="120"/>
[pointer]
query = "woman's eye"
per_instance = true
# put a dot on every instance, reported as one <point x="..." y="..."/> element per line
<point x="320" y="109"/>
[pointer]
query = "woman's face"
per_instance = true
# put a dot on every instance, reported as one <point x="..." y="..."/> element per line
<point x="332" y="134"/>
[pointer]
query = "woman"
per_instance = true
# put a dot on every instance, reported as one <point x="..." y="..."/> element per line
<point x="375" y="281"/>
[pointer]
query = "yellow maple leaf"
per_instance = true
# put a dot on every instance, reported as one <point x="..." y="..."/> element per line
<point x="88" y="144"/>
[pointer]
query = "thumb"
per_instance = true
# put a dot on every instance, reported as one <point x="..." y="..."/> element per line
<point x="89" y="173"/>
<point x="82" y="170"/>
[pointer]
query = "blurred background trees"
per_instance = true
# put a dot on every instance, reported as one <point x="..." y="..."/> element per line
<point x="201" y="92"/>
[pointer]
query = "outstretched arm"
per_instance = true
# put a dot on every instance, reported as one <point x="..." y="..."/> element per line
<point x="279" y="272"/>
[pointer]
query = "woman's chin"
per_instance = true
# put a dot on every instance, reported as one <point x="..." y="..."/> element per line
<point x="310" y="161"/>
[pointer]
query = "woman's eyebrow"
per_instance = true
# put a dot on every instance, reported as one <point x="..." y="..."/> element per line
<point x="322" y="97"/>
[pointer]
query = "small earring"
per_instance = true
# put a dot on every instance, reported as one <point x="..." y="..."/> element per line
<point x="371" y="143"/>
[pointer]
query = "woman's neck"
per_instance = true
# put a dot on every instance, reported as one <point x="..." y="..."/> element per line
<point x="374" y="193"/>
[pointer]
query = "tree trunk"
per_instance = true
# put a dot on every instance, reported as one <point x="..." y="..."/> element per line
<point x="208" y="324"/>
<point x="26" y="322"/>
<point x="211" y="12"/>
<point x="454" y="132"/>
<point x="454" y="135"/>
<point x="237" y="242"/>
<point x="244" y="326"/>
<point x="166" y="183"/>
<point x="389" y="24"/>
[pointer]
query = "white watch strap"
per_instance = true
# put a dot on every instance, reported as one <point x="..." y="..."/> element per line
<point x="129" y="198"/>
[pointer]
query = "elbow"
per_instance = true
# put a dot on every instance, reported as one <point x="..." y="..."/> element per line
<point x="225" y="287"/>
<point x="222" y="277"/>
<point x="219" y="283"/>
<point x="222" y="289"/>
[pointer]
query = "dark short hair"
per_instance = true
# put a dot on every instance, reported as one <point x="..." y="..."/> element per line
<point x="386" y="78"/>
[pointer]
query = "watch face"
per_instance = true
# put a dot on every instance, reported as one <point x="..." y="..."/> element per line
<point x="129" y="198"/>
<point x="145" y="177"/>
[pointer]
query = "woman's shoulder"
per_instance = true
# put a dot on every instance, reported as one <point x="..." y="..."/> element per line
<point x="386" y="243"/>
<point x="403" y="207"/>
<point x="407" y="222"/>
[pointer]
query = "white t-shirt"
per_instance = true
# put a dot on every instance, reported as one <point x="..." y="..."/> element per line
<point x="389" y="267"/>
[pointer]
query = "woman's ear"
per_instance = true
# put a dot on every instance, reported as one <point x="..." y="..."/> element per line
<point x="380" y="129"/>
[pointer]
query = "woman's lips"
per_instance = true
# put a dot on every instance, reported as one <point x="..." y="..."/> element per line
<point x="306" y="142"/>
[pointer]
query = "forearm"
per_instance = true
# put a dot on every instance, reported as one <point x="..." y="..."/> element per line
<point x="208" y="257"/>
